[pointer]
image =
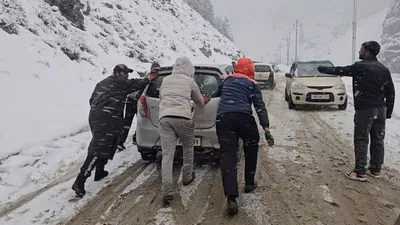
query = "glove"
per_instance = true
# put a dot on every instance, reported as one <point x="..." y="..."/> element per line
<point x="388" y="116"/>
<point x="269" y="137"/>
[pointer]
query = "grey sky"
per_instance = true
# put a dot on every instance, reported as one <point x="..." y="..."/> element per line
<point x="253" y="20"/>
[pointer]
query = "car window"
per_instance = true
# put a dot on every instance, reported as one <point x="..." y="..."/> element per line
<point x="306" y="69"/>
<point x="208" y="84"/>
<point x="262" y="68"/>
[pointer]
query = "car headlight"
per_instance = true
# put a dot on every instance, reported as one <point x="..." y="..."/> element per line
<point x="297" y="86"/>
<point x="341" y="86"/>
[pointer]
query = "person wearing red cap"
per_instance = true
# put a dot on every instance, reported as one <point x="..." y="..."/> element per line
<point x="235" y="120"/>
<point x="374" y="93"/>
<point x="106" y="120"/>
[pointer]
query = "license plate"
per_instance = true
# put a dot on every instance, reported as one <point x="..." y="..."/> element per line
<point x="197" y="142"/>
<point x="319" y="96"/>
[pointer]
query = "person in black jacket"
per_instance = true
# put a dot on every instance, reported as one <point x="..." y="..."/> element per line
<point x="235" y="120"/>
<point x="106" y="120"/>
<point x="130" y="112"/>
<point x="374" y="94"/>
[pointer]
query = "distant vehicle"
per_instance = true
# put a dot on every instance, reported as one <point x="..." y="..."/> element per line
<point x="208" y="78"/>
<point x="265" y="75"/>
<point x="306" y="86"/>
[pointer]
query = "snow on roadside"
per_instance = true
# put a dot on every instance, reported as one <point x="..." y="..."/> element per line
<point x="59" y="203"/>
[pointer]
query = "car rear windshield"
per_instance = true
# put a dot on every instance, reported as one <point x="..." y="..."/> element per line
<point x="208" y="84"/>
<point x="262" y="68"/>
<point x="307" y="69"/>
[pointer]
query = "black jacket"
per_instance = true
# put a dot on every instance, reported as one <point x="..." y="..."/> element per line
<point x="372" y="83"/>
<point x="106" y="112"/>
<point x="237" y="96"/>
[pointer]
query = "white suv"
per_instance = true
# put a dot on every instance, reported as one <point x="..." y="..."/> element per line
<point x="306" y="86"/>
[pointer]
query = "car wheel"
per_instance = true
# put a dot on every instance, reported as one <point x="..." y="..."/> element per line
<point x="344" y="106"/>
<point x="291" y="104"/>
<point x="286" y="96"/>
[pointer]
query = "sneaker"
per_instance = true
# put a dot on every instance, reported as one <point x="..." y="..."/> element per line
<point x="121" y="147"/>
<point x="250" y="187"/>
<point x="167" y="200"/>
<point x="374" y="173"/>
<point x="100" y="174"/>
<point x="355" y="176"/>
<point x="186" y="183"/>
<point x="79" y="186"/>
<point x="232" y="206"/>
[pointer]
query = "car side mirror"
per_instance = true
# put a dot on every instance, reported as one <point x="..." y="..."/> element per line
<point x="288" y="75"/>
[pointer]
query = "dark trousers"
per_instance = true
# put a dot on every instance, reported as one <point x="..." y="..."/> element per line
<point x="231" y="126"/>
<point x="130" y="112"/>
<point x="369" y="123"/>
<point x="92" y="161"/>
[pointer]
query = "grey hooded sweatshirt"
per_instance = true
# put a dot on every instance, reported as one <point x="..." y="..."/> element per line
<point x="178" y="89"/>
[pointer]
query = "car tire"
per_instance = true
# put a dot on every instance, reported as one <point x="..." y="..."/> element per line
<point x="343" y="106"/>
<point x="286" y="96"/>
<point x="291" y="104"/>
<point x="147" y="154"/>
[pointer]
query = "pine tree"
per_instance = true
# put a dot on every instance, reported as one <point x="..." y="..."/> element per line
<point x="227" y="29"/>
<point x="208" y="11"/>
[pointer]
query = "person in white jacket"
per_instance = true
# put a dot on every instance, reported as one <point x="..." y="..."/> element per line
<point x="176" y="110"/>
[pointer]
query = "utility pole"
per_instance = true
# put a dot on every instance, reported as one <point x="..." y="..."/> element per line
<point x="280" y="46"/>
<point x="354" y="36"/>
<point x="297" y="34"/>
<point x="287" y="39"/>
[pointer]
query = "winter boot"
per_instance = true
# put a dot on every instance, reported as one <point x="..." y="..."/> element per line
<point x="79" y="186"/>
<point x="186" y="183"/>
<point x="100" y="174"/>
<point x="232" y="206"/>
<point x="250" y="187"/>
<point x="167" y="200"/>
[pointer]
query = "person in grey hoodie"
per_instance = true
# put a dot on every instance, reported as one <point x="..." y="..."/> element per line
<point x="176" y="111"/>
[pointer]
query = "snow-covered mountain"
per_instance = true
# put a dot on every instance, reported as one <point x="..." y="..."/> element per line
<point x="391" y="38"/>
<point x="53" y="51"/>
<point x="52" y="54"/>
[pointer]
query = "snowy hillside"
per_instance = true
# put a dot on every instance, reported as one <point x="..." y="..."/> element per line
<point x="52" y="54"/>
<point x="391" y="38"/>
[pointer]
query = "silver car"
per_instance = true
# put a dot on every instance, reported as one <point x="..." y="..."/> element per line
<point x="208" y="78"/>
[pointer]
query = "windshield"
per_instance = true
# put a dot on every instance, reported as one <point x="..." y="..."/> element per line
<point x="262" y="68"/>
<point x="208" y="84"/>
<point x="309" y="69"/>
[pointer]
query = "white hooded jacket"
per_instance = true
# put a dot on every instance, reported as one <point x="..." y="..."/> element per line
<point x="178" y="89"/>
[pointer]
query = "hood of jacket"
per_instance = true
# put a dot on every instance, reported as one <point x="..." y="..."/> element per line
<point x="245" y="66"/>
<point x="183" y="66"/>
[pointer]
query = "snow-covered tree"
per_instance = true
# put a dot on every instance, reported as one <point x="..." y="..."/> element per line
<point x="390" y="55"/>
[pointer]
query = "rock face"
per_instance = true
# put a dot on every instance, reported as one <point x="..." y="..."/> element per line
<point x="71" y="10"/>
<point x="390" y="55"/>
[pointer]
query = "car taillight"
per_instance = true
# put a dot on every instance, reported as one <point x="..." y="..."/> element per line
<point x="143" y="107"/>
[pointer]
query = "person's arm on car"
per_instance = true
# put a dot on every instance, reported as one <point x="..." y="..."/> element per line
<point x="133" y="85"/>
<point x="348" y="71"/>
<point x="389" y="95"/>
<point x="197" y="97"/>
